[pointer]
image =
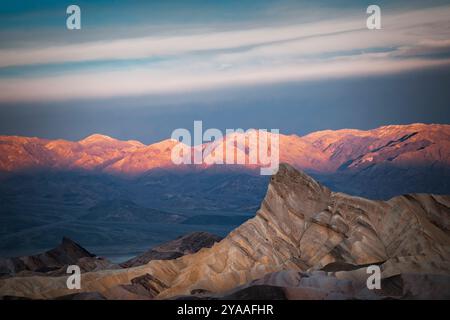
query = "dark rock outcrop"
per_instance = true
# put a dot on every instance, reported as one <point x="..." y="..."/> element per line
<point x="54" y="262"/>
<point x="181" y="246"/>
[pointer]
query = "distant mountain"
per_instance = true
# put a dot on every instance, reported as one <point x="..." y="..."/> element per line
<point x="94" y="152"/>
<point x="306" y="242"/>
<point x="396" y="159"/>
<point x="321" y="152"/>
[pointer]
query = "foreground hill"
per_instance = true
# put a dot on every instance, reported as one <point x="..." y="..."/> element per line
<point x="305" y="242"/>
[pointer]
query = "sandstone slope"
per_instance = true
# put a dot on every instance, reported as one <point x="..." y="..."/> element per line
<point x="301" y="227"/>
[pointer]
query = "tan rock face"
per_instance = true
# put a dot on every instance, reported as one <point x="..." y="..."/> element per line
<point x="301" y="226"/>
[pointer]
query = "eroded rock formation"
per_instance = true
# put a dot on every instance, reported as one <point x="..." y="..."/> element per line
<point x="322" y="239"/>
<point x="51" y="261"/>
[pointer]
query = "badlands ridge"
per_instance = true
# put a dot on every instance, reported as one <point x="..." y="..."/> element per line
<point x="305" y="242"/>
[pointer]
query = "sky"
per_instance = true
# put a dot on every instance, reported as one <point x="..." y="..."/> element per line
<point x="140" y="69"/>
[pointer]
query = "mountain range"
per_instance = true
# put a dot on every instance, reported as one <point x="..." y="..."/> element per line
<point x="324" y="152"/>
<point x="396" y="159"/>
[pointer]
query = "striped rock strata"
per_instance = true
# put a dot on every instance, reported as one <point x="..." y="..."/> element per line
<point x="301" y="226"/>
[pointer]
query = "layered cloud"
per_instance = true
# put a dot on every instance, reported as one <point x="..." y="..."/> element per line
<point x="248" y="55"/>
